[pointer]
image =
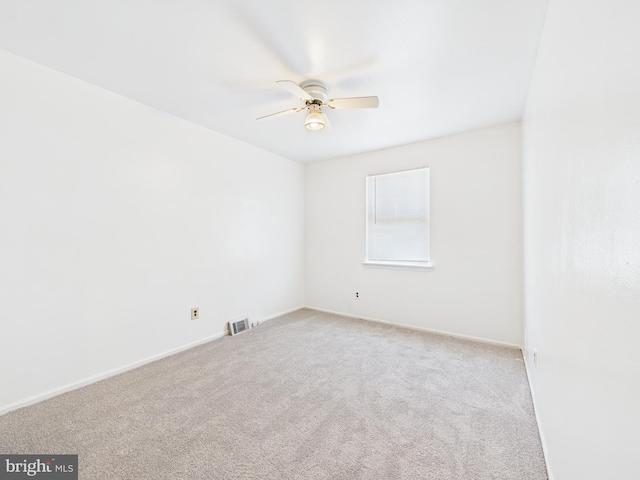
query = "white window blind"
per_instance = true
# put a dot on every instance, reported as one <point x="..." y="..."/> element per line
<point x="398" y="217"/>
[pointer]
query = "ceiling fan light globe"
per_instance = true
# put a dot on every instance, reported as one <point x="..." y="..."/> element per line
<point x="314" y="126"/>
<point x="314" y="121"/>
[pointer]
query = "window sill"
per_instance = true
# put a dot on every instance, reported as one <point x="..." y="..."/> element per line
<point x="399" y="265"/>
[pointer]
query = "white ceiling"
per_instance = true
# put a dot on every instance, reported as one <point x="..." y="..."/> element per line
<point x="439" y="66"/>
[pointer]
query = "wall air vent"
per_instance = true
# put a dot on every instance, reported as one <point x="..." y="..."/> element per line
<point x="238" y="326"/>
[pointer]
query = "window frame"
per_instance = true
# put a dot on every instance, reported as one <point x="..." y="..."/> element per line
<point x="399" y="264"/>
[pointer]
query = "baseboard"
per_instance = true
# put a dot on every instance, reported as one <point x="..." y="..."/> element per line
<point x="110" y="373"/>
<point x="101" y="376"/>
<point x="535" y="412"/>
<point x="421" y="329"/>
<point x="271" y="317"/>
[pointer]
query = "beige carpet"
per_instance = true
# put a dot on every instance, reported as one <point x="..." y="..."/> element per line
<point x="305" y="396"/>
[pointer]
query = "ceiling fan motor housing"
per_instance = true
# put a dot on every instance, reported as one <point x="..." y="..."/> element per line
<point x="316" y="89"/>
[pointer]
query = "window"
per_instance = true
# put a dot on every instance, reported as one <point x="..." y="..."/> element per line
<point x="398" y="218"/>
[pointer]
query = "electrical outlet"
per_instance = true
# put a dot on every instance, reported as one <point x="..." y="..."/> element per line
<point x="357" y="295"/>
<point x="195" y="313"/>
<point x="535" y="358"/>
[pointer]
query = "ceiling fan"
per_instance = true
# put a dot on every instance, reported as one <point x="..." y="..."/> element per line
<point x="314" y="95"/>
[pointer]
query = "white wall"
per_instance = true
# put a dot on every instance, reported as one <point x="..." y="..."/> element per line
<point x="475" y="288"/>
<point x="581" y="138"/>
<point x="116" y="219"/>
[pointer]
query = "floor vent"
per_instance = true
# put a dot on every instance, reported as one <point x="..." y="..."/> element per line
<point x="239" y="326"/>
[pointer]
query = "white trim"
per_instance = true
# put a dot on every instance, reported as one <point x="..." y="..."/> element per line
<point x="397" y="171"/>
<point x="422" y="329"/>
<point x="398" y="265"/>
<point x="115" y="371"/>
<point x="266" y="319"/>
<point x="545" y="450"/>
<point x="101" y="376"/>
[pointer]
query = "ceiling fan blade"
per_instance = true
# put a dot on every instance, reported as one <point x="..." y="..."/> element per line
<point x="284" y="112"/>
<point x="327" y="124"/>
<point x="295" y="89"/>
<point x="353" y="102"/>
